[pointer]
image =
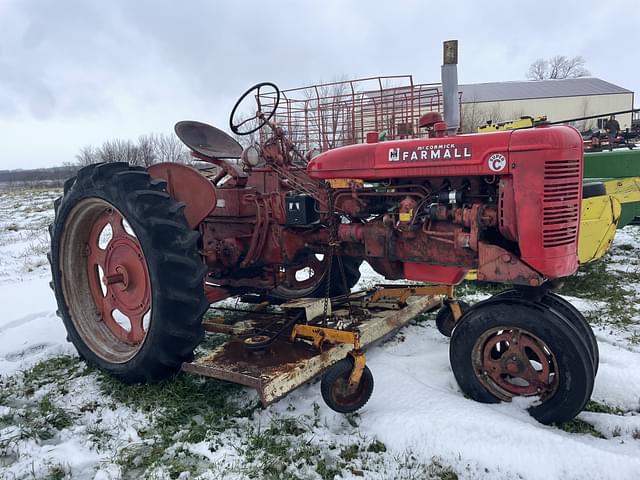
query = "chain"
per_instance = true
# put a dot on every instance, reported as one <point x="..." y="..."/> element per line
<point x="333" y="245"/>
<point x="333" y="241"/>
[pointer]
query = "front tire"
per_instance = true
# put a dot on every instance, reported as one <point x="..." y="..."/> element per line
<point x="571" y="313"/>
<point x="127" y="275"/>
<point x="508" y="348"/>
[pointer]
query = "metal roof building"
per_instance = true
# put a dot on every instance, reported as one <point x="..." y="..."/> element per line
<point x="558" y="99"/>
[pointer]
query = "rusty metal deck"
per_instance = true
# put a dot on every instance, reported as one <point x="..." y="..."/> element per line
<point x="285" y="366"/>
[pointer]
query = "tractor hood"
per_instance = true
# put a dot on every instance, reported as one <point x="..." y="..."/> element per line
<point x="461" y="155"/>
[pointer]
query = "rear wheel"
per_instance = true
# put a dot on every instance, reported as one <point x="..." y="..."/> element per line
<point x="127" y="275"/>
<point x="309" y="277"/>
<point x="503" y="349"/>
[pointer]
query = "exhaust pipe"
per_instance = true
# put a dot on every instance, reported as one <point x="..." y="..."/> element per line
<point x="449" y="75"/>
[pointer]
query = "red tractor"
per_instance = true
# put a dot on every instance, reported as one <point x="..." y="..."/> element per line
<point x="138" y="255"/>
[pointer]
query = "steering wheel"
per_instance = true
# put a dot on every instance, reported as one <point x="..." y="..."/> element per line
<point x="260" y="117"/>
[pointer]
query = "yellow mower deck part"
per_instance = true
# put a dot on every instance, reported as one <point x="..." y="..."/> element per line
<point x="523" y="122"/>
<point x="598" y="225"/>
<point x="625" y="190"/>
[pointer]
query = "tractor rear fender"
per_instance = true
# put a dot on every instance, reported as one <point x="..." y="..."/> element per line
<point x="189" y="186"/>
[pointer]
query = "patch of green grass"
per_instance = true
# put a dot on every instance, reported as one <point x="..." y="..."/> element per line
<point x="598" y="407"/>
<point x="56" y="370"/>
<point x="326" y="471"/>
<point x="436" y="469"/>
<point x="468" y="287"/>
<point x="352" y="419"/>
<point x="57" y="472"/>
<point x="595" y="281"/>
<point x="377" y="447"/>
<point x="440" y="471"/>
<point x="41" y="420"/>
<point x="349" y="453"/>
<point x="182" y="409"/>
<point x="580" y="426"/>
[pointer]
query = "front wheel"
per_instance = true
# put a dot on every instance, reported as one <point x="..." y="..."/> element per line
<point x="571" y="313"/>
<point x="509" y="348"/>
<point x="126" y="271"/>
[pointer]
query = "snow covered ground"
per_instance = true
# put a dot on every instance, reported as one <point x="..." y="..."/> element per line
<point x="59" y="419"/>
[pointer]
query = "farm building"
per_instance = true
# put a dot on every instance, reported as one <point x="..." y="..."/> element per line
<point x="558" y="99"/>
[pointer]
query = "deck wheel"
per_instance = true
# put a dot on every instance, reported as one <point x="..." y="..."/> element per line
<point x="335" y="383"/>
<point x="444" y="318"/>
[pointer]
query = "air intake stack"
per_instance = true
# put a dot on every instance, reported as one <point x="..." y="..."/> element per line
<point x="449" y="73"/>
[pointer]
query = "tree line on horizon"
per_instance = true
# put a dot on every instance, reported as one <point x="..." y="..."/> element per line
<point x="145" y="151"/>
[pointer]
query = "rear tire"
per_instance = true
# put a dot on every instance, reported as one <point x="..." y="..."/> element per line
<point x="149" y="270"/>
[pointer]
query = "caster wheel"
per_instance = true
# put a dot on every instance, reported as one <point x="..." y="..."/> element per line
<point x="511" y="347"/>
<point x="334" y="387"/>
<point x="444" y="318"/>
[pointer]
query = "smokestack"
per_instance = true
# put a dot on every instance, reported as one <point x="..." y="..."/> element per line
<point x="449" y="75"/>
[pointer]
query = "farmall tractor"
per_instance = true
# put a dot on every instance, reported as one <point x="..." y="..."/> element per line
<point x="138" y="255"/>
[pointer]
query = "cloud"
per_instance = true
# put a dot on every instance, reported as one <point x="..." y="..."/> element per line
<point x="126" y="68"/>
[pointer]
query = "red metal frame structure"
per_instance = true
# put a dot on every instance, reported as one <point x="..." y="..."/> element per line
<point x="336" y="114"/>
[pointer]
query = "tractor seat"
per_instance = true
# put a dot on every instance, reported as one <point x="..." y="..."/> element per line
<point x="207" y="140"/>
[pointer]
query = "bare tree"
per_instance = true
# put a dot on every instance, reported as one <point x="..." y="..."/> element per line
<point x="558" y="66"/>
<point x="246" y="140"/>
<point x="87" y="156"/>
<point x="169" y="148"/>
<point x="119" y="151"/>
<point x="147" y="150"/>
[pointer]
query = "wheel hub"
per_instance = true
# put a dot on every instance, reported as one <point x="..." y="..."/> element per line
<point x="126" y="276"/>
<point x="118" y="277"/>
<point x="513" y="362"/>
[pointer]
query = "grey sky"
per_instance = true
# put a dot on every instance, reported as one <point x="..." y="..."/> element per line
<point x="78" y="72"/>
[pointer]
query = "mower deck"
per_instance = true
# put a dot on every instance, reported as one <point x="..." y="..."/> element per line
<point x="284" y="365"/>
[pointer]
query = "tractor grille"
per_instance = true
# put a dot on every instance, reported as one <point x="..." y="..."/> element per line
<point x="561" y="208"/>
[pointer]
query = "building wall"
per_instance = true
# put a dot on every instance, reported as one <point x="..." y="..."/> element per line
<point x="559" y="108"/>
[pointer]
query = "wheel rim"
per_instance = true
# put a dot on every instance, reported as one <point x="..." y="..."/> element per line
<point x="307" y="273"/>
<point x="340" y="395"/>
<point x="512" y="362"/>
<point x="107" y="287"/>
<point x="304" y="276"/>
